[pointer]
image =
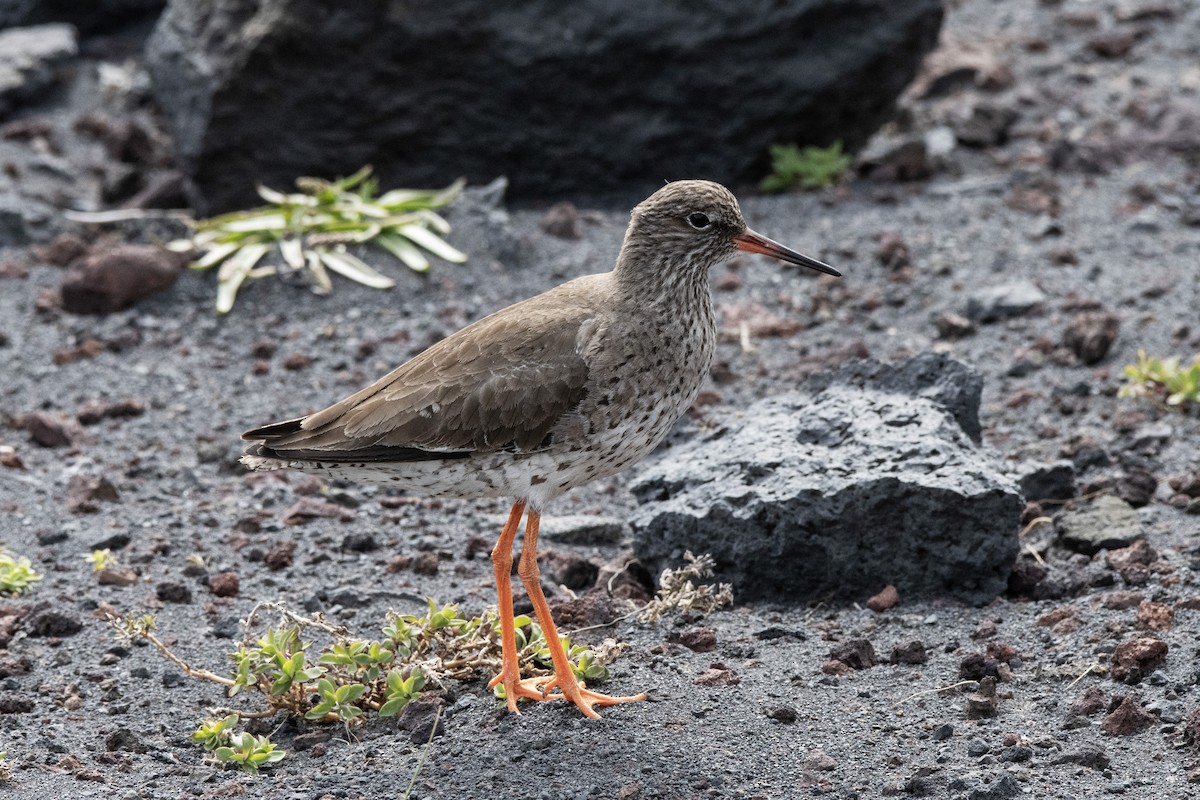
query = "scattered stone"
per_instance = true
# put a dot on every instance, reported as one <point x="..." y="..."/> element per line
<point x="957" y="65"/>
<point x="592" y="608"/>
<point x="1187" y="484"/>
<point x="893" y="252"/>
<point x="977" y="747"/>
<point x="1119" y="601"/>
<point x="1025" y="577"/>
<point x="59" y="251"/>
<point x="1128" y="718"/>
<point x="1092" y="758"/>
<point x="911" y="652"/>
<point x="14" y="703"/>
<point x="45" y="621"/>
<point x="977" y="666"/>
<point x="1091" y="334"/>
<point x="953" y="326"/>
<point x="562" y="220"/>
<point x="224" y="584"/>
<point x="717" y="675"/>
<point x="1136" y="487"/>
<point x="94" y="411"/>
<point x="297" y="361"/>
<point x="785" y="714"/>
<point x="985" y="702"/>
<point x="942" y="733"/>
<point x="835" y="667"/>
<point x="86" y="492"/>
<point x="29" y="58"/>
<point x="1091" y="702"/>
<point x="855" y="653"/>
<point x="426" y="563"/>
<point x="891" y="159"/>
<point x="112" y="278"/>
<point x="360" y="542"/>
<point x="1106" y="523"/>
<point x="583" y="529"/>
<point x="171" y="592"/>
<point x="984" y="630"/>
<point x="995" y="303"/>
<point x="1042" y="482"/>
<point x="309" y="508"/>
<point x="1056" y="616"/>
<point x="116" y="576"/>
<point x="700" y="640"/>
<point x="984" y="125"/>
<point x="887" y="598"/>
<point x="280" y="555"/>
<point x="804" y="493"/>
<point x="124" y="739"/>
<point x="1115" y="44"/>
<point x="1063" y="255"/>
<point x="1133" y="562"/>
<point x="1134" y="659"/>
<point x="52" y="430"/>
<point x="819" y="761"/>
<point x="1155" y="616"/>
<point x="422" y="720"/>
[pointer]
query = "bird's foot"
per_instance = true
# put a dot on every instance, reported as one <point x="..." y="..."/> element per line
<point x="540" y="688"/>
<point x="525" y="688"/>
<point x="585" y="699"/>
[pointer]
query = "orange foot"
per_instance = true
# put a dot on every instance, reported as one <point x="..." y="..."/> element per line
<point x="540" y="689"/>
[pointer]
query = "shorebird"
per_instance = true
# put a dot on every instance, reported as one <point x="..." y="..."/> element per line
<point x="548" y="394"/>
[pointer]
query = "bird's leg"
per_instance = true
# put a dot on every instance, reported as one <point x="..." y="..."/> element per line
<point x="564" y="677"/>
<point x="510" y="671"/>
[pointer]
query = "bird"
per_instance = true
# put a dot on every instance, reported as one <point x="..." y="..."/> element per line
<point x="572" y="385"/>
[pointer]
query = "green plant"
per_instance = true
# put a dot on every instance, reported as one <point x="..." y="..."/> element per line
<point x="101" y="559"/>
<point x="353" y="677"/>
<point x="1163" y="378"/>
<point x="16" y="573"/>
<point x="401" y="691"/>
<point x="230" y="746"/>
<point x="808" y="167"/>
<point x="311" y="229"/>
<point x="336" y="702"/>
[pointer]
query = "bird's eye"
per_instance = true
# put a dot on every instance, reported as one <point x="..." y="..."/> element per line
<point x="699" y="221"/>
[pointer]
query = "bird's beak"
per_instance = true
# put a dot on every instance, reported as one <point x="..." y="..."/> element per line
<point x="753" y="242"/>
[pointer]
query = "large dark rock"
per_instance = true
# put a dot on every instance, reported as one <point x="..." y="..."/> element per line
<point x="872" y="479"/>
<point x="564" y="98"/>
<point x="86" y="15"/>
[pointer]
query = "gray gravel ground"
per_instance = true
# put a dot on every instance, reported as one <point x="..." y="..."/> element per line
<point x="775" y="725"/>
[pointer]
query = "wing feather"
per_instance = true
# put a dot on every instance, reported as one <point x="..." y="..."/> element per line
<point x="504" y="382"/>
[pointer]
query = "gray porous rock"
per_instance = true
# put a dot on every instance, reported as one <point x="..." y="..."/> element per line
<point x="28" y="59"/>
<point x="1106" y="523"/>
<point x="995" y="303"/>
<point x="580" y="98"/>
<point x="871" y="476"/>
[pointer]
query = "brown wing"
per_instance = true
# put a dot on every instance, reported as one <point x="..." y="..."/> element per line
<point x="503" y="383"/>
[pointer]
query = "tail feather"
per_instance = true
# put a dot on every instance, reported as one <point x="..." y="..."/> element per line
<point x="275" y="429"/>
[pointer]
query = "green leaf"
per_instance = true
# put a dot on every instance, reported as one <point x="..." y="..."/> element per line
<point x="354" y="268"/>
<point x="431" y="242"/>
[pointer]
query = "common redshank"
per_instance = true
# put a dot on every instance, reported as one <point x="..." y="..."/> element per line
<point x="575" y="384"/>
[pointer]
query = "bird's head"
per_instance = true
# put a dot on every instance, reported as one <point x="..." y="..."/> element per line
<point x="686" y="227"/>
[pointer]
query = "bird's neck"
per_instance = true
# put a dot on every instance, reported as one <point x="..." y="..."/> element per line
<point x="655" y="275"/>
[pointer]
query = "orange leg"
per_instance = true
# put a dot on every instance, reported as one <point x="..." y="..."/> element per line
<point x="510" y="672"/>
<point x="564" y="678"/>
